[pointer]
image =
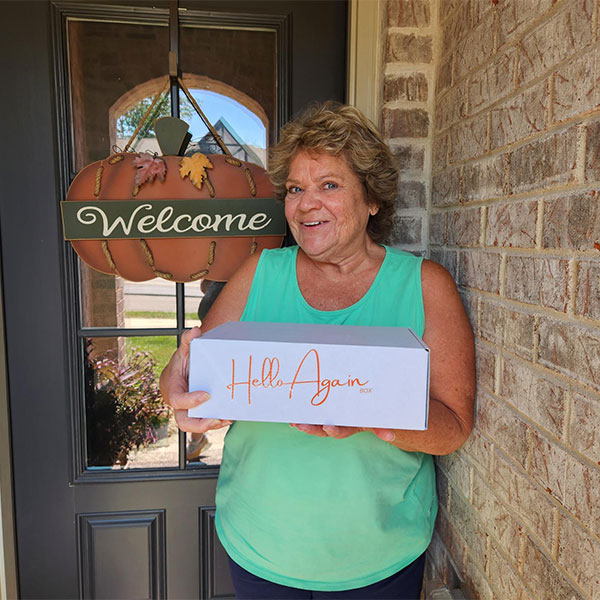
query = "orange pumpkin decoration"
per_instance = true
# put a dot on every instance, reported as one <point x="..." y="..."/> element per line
<point x="177" y="259"/>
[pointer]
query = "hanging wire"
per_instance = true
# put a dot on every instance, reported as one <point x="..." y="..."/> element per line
<point x="145" y="117"/>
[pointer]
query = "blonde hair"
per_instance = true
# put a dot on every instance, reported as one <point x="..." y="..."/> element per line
<point x="343" y="131"/>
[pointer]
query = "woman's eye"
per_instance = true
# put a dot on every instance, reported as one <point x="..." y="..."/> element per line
<point x="331" y="186"/>
<point x="293" y="189"/>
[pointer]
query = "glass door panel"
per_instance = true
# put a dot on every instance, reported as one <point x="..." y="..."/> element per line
<point x="129" y="329"/>
<point x="127" y="424"/>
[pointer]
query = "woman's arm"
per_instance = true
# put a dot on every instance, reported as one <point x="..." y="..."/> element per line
<point x="449" y="336"/>
<point x="229" y="306"/>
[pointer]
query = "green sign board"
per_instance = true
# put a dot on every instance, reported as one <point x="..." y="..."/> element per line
<point x="133" y="219"/>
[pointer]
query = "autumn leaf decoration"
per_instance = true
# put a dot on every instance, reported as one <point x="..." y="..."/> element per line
<point x="195" y="166"/>
<point x="148" y="168"/>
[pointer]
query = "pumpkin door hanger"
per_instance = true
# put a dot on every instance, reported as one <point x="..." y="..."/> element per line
<point x="207" y="242"/>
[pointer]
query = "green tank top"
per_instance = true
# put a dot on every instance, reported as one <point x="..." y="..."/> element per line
<point x="320" y="513"/>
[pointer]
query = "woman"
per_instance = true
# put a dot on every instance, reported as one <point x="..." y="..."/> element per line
<point x="310" y="511"/>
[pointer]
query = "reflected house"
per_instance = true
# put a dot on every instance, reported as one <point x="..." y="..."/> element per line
<point x="238" y="148"/>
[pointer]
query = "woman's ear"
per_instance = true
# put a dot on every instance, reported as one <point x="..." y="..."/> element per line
<point x="373" y="210"/>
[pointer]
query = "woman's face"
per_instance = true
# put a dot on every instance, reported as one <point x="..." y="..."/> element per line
<point x="326" y="207"/>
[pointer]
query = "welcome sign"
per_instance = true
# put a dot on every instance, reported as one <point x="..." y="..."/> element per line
<point x="306" y="373"/>
<point x="130" y="219"/>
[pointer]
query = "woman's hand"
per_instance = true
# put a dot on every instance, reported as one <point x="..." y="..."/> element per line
<point x="174" y="389"/>
<point x="339" y="432"/>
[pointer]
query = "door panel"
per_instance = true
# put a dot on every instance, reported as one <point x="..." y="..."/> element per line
<point x="123" y="554"/>
<point x="83" y="532"/>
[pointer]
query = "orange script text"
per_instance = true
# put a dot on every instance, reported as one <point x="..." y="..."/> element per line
<point x="307" y="373"/>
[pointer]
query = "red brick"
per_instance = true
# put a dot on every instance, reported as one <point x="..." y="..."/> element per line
<point x="588" y="284"/>
<point x="480" y="9"/>
<point x="572" y="221"/>
<point x="408" y="48"/>
<point x="479" y="270"/>
<point x="492" y="82"/>
<point x="399" y="122"/>
<point x="454" y="543"/>
<point x="584" y="433"/>
<point x="543" y="576"/>
<point x="544" y="163"/>
<point x="448" y="7"/>
<point x="542" y="281"/>
<point x="576" y="87"/>
<point x="561" y="36"/>
<point x="582" y="493"/>
<point x="446" y="258"/>
<point x="541" y="399"/>
<point x="492" y="322"/>
<point x="497" y="420"/>
<point x="406" y="230"/>
<point x="408" y="158"/>
<point x="571" y="350"/>
<point x="468" y="139"/>
<point x="515" y="15"/>
<point x="444" y="74"/>
<point x="458" y="472"/>
<point x="503" y="576"/>
<point x="439" y="153"/>
<point x="548" y="465"/>
<point x="456" y="27"/>
<point x="479" y="450"/>
<point x="485" y="361"/>
<point x="520" y="117"/>
<point x="437" y="228"/>
<point x="471" y="303"/>
<point x="484" y="179"/>
<point x="411" y="194"/>
<point x="464" y="227"/>
<point x="445" y="188"/>
<point x="451" y="107"/>
<point x="476" y="47"/>
<point x="512" y="224"/>
<point x="465" y="517"/>
<point x="519" y="330"/>
<point x="579" y="555"/>
<point x="476" y="581"/>
<point x="592" y="156"/>
<point x="528" y="501"/>
<point x="408" y="13"/>
<point x="412" y="88"/>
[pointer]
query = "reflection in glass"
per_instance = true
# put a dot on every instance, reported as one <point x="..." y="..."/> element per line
<point x="127" y="423"/>
<point x="242" y="130"/>
<point x="110" y="301"/>
<point x="205" y="449"/>
<point x="150" y="304"/>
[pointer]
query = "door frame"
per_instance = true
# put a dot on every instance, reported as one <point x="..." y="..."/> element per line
<point x="364" y="77"/>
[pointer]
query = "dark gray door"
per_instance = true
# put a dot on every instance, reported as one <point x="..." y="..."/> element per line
<point x="95" y="517"/>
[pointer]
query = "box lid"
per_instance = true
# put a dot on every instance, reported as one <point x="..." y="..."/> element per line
<point x="308" y="333"/>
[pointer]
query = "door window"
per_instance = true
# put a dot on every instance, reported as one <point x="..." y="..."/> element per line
<point x="128" y="330"/>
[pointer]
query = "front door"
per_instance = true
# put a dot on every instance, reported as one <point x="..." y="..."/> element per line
<point x="111" y="500"/>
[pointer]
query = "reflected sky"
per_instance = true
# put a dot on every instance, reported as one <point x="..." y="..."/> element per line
<point x="245" y="123"/>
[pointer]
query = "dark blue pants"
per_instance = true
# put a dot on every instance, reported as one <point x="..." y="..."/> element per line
<point x="403" y="585"/>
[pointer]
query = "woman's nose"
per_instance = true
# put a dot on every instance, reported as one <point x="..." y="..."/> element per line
<point x="311" y="199"/>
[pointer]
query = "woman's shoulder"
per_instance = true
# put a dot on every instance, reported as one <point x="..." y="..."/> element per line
<point x="401" y="255"/>
<point x="401" y="262"/>
<point x="277" y="256"/>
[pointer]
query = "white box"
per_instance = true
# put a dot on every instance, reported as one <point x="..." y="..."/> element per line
<point x="319" y="374"/>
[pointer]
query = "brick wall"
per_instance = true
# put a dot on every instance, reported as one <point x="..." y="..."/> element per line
<point x="407" y="113"/>
<point x="514" y="214"/>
